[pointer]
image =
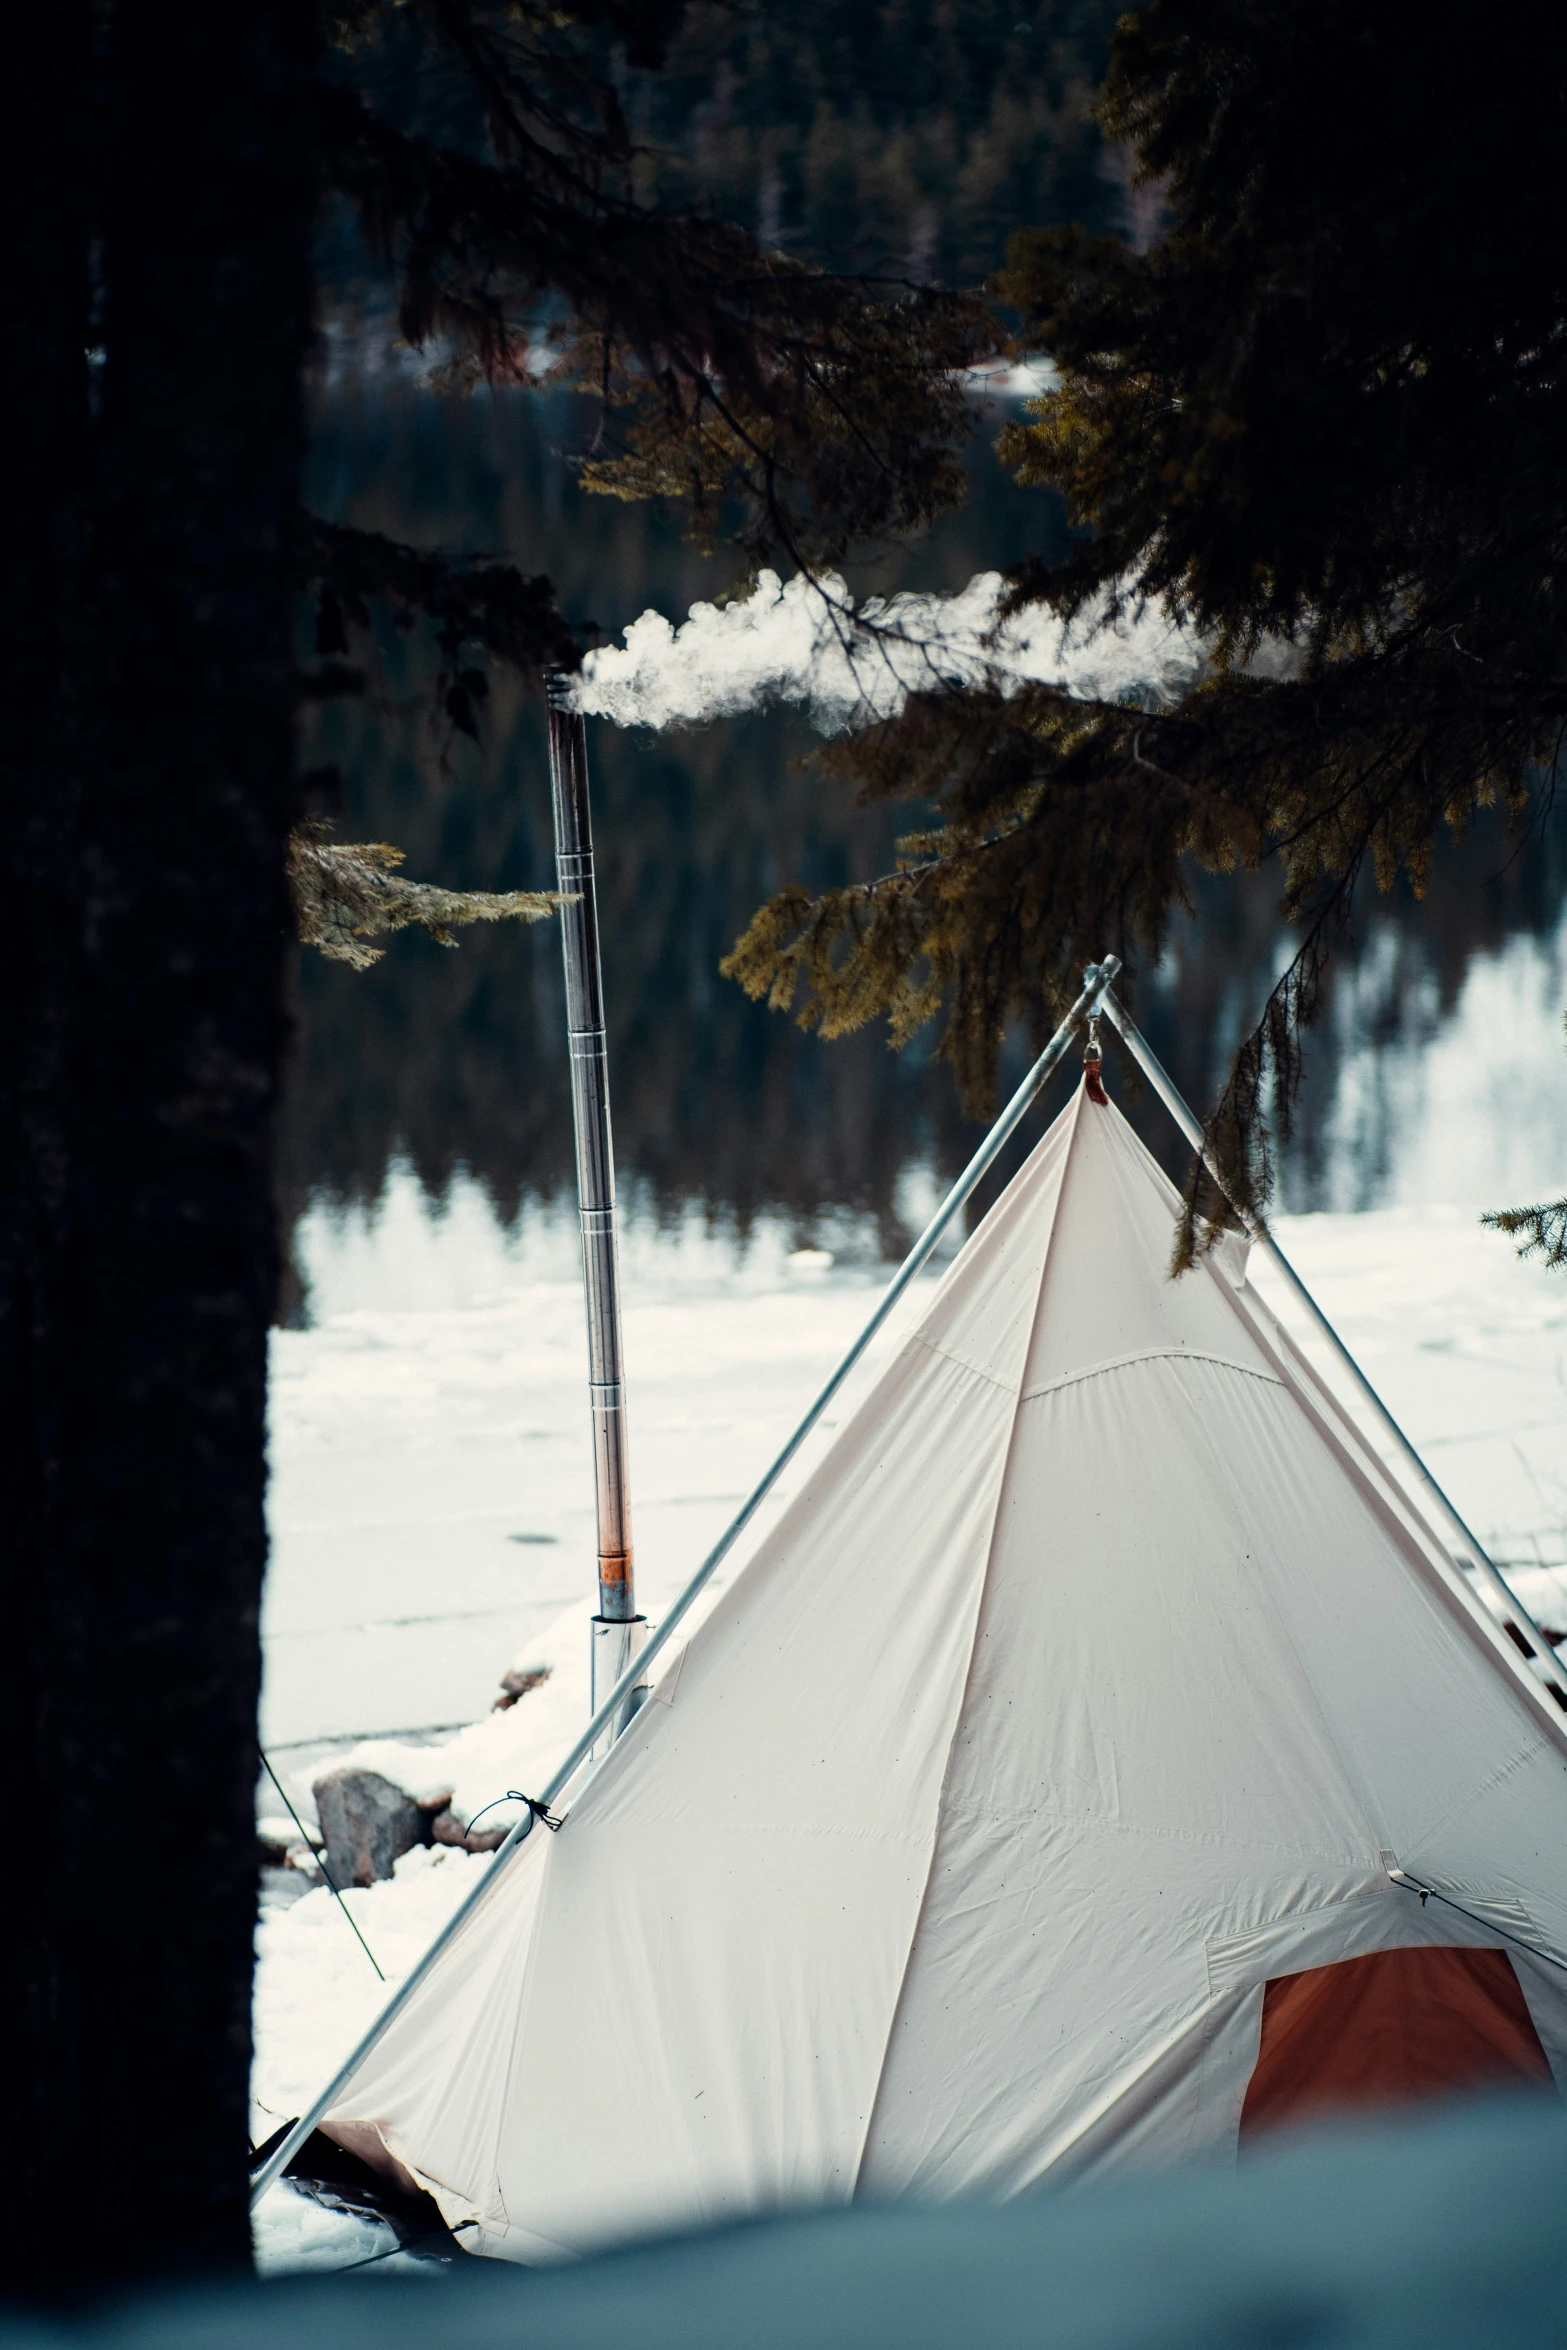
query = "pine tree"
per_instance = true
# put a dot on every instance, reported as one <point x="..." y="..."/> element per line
<point x="1320" y="419"/>
<point x="157" y="259"/>
<point x="166" y="172"/>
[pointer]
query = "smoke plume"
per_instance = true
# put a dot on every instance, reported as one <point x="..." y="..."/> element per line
<point x="805" y="641"/>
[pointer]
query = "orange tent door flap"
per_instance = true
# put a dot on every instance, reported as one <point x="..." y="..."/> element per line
<point x="1388" y="2029"/>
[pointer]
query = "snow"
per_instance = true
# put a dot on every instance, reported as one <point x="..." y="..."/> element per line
<point x="432" y="1498"/>
<point x="297" y="2233"/>
<point x="1468" y="1347"/>
<point x="316" y="1989"/>
<point x="316" y="1992"/>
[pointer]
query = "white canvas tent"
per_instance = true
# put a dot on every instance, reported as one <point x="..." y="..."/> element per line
<point x="1095" y="1678"/>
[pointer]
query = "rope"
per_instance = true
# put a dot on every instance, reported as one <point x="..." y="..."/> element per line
<point x="541" y="1811"/>
<point x="1409" y="1884"/>
<point x="320" y="1860"/>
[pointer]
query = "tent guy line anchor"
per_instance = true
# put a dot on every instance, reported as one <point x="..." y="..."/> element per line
<point x="1478" y="1559"/>
<point x="1096" y="980"/>
<point x="1408" y="1884"/>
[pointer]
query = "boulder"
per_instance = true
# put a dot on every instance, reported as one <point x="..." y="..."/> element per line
<point x="518" y="1682"/>
<point x="367" y="1823"/>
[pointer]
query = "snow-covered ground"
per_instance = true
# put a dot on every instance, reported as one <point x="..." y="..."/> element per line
<point x="432" y="1498"/>
<point x="432" y="1503"/>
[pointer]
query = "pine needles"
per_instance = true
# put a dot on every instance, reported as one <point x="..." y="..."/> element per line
<point x="1544" y="1229"/>
<point x="347" y="893"/>
<point x="1539" y="1231"/>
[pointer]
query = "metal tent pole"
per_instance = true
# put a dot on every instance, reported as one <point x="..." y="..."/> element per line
<point x="1478" y="1560"/>
<point x="618" y="1631"/>
<point x="1096" y="979"/>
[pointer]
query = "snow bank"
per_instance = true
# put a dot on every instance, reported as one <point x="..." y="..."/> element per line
<point x="316" y="1993"/>
<point x="516" y="1748"/>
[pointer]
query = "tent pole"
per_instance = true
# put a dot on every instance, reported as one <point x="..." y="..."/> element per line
<point x="1481" y="1564"/>
<point x="1096" y="979"/>
<point x="617" y="1630"/>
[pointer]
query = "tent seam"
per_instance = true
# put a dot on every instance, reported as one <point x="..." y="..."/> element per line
<point x="962" y="1363"/>
<point x="1145" y="1354"/>
<point x="982" y="1585"/>
<point x="1085" y="1824"/>
<point x="1496" y="1778"/>
<point x="1149" y="1354"/>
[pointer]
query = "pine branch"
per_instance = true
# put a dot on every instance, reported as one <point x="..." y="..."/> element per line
<point x="472" y="603"/>
<point x="1544" y="1229"/>
<point x="480" y="611"/>
<point x="833" y="408"/>
<point x="1067" y="827"/>
<point x="345" y="893"/>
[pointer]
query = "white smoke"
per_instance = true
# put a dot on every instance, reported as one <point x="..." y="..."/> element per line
<point x="806" y="641"/>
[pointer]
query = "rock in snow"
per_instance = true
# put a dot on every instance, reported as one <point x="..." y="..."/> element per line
<point x="518" y="1682"/>
<point x="368" y="1824"/>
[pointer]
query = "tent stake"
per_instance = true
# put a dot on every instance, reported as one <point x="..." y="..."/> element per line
<point x="618" y="1631"/>
<point x="1478" y="1559"/>
<point x="1096" y="979"/>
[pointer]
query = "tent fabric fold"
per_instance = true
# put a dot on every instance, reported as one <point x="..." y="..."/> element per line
<point x="1092" y="1680"/>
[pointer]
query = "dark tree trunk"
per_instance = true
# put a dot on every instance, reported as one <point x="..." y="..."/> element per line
<point x="146" y="746"/>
